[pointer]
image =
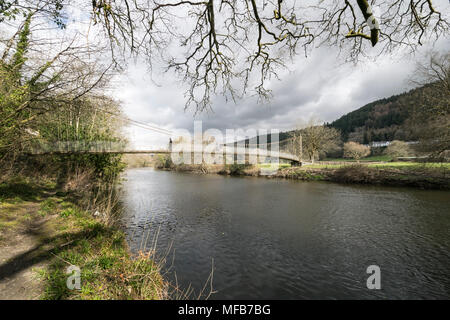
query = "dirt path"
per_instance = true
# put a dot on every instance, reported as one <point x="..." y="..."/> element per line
<point x="21" y="250"/>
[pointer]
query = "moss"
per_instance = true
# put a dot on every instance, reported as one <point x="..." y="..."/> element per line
<point x="7" y="225"/>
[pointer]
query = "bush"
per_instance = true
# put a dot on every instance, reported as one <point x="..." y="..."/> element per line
<point x="398" y="149"/>
<point x="163" y="162"/>
<point x="355" y="150"/>
<point x="106" y="166"/>
<point x="237" y="169"/>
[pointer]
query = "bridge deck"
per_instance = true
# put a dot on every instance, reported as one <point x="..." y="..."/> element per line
<point x="237" y="151"/>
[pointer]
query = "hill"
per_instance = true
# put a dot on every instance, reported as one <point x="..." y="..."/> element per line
<point x="385" y="119"/>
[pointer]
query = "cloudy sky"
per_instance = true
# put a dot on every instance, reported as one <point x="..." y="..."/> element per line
<point x="320" y="86"/>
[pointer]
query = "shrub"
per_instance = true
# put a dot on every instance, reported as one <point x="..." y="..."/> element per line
<point x="398" y="149"/>
<point x="237" y="169"/>
<point x="163" y="162"/>
<point x="355" y="150"/>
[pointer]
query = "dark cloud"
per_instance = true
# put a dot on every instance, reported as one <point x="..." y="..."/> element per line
<point x="319" y="86"/>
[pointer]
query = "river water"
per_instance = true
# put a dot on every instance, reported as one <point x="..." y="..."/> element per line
<point x="281" y="239"/>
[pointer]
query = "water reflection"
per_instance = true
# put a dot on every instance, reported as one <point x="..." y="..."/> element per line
<point x="275" y="239"/>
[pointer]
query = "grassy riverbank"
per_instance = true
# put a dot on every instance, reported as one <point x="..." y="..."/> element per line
<point x="425" y="176"/>
<point x="44" y="230"/>
<point x="419" y="175"/>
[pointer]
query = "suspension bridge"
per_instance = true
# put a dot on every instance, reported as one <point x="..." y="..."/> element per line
<point x="236" y="152"/>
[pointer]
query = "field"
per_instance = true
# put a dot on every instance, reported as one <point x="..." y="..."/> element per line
<point x="396" y="164"/>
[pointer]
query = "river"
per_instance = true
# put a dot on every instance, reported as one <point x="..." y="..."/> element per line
<point x="281" y="239"/>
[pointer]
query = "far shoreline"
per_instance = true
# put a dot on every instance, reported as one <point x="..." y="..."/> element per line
<point x="428" y="176"/>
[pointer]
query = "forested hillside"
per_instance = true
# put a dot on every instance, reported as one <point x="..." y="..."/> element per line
<point x="386" y="119"/>
<point x="383" y="120"/>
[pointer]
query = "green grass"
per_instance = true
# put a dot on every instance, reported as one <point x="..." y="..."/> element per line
<point x="324" y="166"/>
<point x="48" y="206"/>
<point x="423" y="175"/>
<point x="396" y="164"/>
<point x="412" y="165"/>
<point x="340" y="163"/>
<point x="371" y="158"/>
<point x="72" y="236"/>
<point x="14" y="213"/>
<point x="24" y="188"/>
<point x="107" y="270"/>
<point x="274" y="165"/>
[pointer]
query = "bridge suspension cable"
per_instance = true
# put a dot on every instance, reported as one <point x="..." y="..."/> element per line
<point x="157" y="129"/>
<point x="139" y="123"/>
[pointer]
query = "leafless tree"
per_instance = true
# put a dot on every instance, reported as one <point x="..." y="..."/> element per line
<point x="434" y="73"/>
<point x="295" y="145"/>
<point x="42" y="73"/>
<point x="314" y="138"/>
<point x="218" y="46"/>
<point x="431" y="119"/>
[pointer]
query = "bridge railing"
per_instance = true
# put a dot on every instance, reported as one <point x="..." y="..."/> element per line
<point x="251" y="155"/>
<point x="240" y="154"/>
